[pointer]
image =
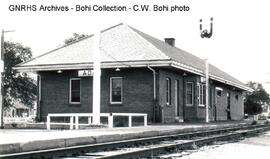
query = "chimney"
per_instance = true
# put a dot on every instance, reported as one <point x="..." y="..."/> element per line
<point x="170" y="41"/>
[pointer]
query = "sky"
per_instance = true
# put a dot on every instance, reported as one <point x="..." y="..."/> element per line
<point x="239" y="45"/>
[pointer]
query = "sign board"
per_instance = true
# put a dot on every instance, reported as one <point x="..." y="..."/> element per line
<point x="85" y="73"/>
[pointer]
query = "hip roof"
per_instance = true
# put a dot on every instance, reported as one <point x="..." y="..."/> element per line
<point x="124" y="46"/>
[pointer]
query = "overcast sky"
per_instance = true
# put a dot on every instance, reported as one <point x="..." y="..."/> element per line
<point x="239" y="45"/>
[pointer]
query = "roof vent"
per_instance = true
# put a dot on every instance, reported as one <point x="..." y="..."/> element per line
<point x="170" y="41"/>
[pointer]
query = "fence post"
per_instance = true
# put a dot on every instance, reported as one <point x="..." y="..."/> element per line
<point x="89" y="120"/>
<point x="71" y="123"/>
<point x="48" y="122"/>
<point x="145" y="120"/>
<point x="76" y="122"/>
<point x="110" y="120"/>
<point x="129" y="121"/>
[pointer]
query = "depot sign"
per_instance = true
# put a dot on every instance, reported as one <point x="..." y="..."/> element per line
<point x="85" y="73"/>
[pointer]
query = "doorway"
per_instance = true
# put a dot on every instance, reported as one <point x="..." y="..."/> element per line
<point x="218" y="101"/>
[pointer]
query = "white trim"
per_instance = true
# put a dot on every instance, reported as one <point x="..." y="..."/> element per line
<point x="219" y="88"/>
<point x="111" y="78"/>
<point x="71" y="79"/>
<point x="126" y="64"/>
<point x="192" y="94"/>
<point x="203" y="85"/>
<point x="76" y="66"/>
<point x="176" y="96"/>
<point x="169" y="89"/>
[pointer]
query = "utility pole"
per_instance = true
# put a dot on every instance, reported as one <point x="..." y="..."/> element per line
<point x="2" y="73"/>
<point x="206" y="91"/>
<point x="96" y="79"/>
<point x="206" y="34"/>
<point x="1" y="80"/>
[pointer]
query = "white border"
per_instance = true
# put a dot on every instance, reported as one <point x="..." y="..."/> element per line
<point x="71" y="79"/>
<point x="203" y="85"/>
<point x="192" y="104"/>
<point x="111" y="102"/>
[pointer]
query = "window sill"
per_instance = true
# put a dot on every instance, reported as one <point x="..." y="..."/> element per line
<point x="116" y="104"/>
<point x="201" y="106"/>
<point x="189" y="105"/>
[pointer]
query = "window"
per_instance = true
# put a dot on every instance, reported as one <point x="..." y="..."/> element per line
<point x="116" y="90"/>
<point x="202" y="96"/>
<point x="176" y="97"/>
<point x="219" y="91"/>
<point x="168" y="91"/>
<point x="75" y="91"/>
<point x="189" y="93"/>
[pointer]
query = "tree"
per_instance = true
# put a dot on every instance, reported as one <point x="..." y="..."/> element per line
<point x="75" y="37"/>
<point x="17" y="86"/>
<point x="255" y="100"/>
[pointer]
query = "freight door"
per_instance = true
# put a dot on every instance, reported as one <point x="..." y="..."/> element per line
<point x="218" y="101"/>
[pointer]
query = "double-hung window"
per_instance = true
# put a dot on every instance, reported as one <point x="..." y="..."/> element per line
<point x="116" y="90"/>
<point x="75" y="91"/>
<point x="168" y="91"/>
<point x="189" y="93"/>
<point x="202" y="96"/>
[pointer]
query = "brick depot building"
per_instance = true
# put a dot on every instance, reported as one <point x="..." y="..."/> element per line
<point x="139" y="74"/>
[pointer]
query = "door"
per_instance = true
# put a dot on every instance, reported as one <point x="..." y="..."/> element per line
<point x="218" y="101"/>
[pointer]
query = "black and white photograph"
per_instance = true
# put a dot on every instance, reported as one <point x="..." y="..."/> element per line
<point x="144" y="79"/>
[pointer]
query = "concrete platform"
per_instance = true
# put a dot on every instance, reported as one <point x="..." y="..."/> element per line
<point x="21" y="140"/>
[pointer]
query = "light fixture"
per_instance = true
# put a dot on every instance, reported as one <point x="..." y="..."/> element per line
<point x="184" y="74"/>
<point x="59" y="71"/>
<point x="117" y="69"/>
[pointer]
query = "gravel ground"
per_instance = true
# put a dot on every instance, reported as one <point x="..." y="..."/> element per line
<point x="249" y="148"/>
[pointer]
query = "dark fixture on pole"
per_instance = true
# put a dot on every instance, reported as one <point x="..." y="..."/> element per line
<point x="205" y="33"/>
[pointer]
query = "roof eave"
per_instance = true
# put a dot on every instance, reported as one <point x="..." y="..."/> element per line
<point x="211" y="76"/>
<point x="77" y="66"/>
<point x="128" y="64"/>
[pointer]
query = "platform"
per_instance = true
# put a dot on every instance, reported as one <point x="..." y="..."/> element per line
<point x="21" y="140"/>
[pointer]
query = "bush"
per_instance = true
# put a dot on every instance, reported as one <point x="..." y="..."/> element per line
<point x="14" y="125"/>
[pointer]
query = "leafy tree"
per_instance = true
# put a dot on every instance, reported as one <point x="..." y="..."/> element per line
<point x="17" y="86"/>
<point x="75" y="37"/>
<point x="255" y="100"/>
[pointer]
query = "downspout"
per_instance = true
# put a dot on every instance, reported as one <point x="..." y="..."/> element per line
<point x="154" y="93"/>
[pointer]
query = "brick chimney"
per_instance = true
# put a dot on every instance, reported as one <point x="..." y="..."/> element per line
<point x="170" y="41"/>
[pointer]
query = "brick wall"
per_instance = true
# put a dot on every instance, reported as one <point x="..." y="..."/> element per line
<point x="169" y="111"/>
<point x="137" y="92"/>
<point x="137" y="95"/>
<point x="190" y="111"/>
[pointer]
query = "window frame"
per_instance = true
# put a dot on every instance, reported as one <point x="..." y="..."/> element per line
<point x="70" y="91"/>
<point x="168" y="91"/>
<point x="202" y="89"/>
<point x="192" y="94"/>
<point x="176" y="97"/>
<point x="218" y="89"/>
<point x="111" y="79"/>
